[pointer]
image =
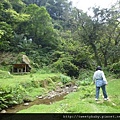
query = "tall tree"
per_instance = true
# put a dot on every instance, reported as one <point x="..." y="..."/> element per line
<point x="100" y="32"/>
<point x="88" y="29"/>
<point x="40" y="27"/>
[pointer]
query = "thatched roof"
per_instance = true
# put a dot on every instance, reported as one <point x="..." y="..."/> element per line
<point x="13" y="59"/>
<point x="26" y="60"/>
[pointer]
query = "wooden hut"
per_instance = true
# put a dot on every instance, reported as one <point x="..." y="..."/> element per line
<point x="22" y="67"/>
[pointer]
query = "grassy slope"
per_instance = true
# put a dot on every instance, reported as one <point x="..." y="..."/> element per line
<point x="12" y="80"/>
<point x="83" y="101"/>
<point x="24" y="86"/>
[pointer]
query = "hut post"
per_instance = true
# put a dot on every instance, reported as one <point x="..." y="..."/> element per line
<point x="25" y="68"/>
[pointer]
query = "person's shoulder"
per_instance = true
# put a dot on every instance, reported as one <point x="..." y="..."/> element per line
<point x="101" y="71"/>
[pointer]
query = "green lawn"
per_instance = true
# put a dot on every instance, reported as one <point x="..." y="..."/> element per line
<point x="83" y="101"/>
<point x="12" y="80"/>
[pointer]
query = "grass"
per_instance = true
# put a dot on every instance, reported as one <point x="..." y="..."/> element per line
<point x="83" y="101"/>
<point x="12" y="80"/>
<point x="14" y="89"/>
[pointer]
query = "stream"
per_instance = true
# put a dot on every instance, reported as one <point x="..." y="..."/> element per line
<point x="38" y="101"/>
<point x="51" y="98"/>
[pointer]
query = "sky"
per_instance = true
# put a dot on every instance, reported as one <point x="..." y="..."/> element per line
<point x="85" y="4"/>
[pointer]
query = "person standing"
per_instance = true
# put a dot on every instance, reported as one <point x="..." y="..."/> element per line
<point x="100" y="82"/>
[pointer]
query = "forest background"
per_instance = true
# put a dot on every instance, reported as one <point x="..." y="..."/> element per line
<point x="55" y="34"/>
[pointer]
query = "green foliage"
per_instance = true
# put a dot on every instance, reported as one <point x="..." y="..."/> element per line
<point x="6" y="4"/>
<point x="83" y="58"/>
<point x="115" y="68"/>
<point x="85" y="73"/>
<point x="87" y="91"/>
<point x="40" y="58"/>
<point x="52" y="32"/>
<point x="85" y="82"/>
<point x="40" y="26"/>
<point x="65" y="79"/>
<point x="6" y="34"/>
<point x="44" y="70"/>
<point x="17" y="5"/>
<point x="7" y="99"/>
<point x="65" y="65"/>
<point x="5" y="74"/>
<point x="85" y="77"/>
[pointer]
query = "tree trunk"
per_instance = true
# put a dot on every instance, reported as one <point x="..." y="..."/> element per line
<point x="96" y="54"/>
<point x="105" y="60"/>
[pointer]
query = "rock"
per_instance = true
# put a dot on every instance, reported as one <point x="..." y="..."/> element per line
<point x="74" y="90"/>
<point x="59" y="90"/>
<point x="75" y="87"/>
<point x="26" y="104"/>
<point x="51" y="96"/>
<point x="67" y="88"/>
<point x="40" y="97"/>
<point x="60" y="83"/>
<point x="3" y="111"/>
<point x="48" y="97"/>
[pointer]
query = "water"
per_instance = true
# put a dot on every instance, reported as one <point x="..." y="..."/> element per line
<point x="58" y="95"/>
<point x="38" y="101"/>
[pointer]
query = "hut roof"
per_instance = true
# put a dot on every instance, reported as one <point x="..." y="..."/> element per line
<point x="26" y="60"/>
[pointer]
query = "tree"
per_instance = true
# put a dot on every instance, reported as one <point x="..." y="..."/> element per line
<point x="111" y="35"/>
<point x="6" y="35"/>
<point x="59" y="11"/>
<point x="40" y="27"/>
<point x="88" y="29"/>
<point x="17" y="5"/>
<point x="101" y="32"/>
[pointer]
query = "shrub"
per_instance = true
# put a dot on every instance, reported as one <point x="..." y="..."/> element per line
<point x="65" y="66"/>
<point x="5" y="74"/>
<point x="65" y="79"/>
<point x="6" y="98"/>
<point x="115" y="68"/>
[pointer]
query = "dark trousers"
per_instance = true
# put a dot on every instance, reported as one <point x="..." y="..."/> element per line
<point x="103" y="90"/>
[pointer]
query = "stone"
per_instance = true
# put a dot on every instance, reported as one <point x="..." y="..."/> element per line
<point x="3" y="111"/>
<point x="74" y="90"/>
<point x="75" y="87"/>
<point x="40" y="97"/>
<point x="26" y="104"/>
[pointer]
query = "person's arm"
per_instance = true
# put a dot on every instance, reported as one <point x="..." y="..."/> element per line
<point x="104" y="78"/>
